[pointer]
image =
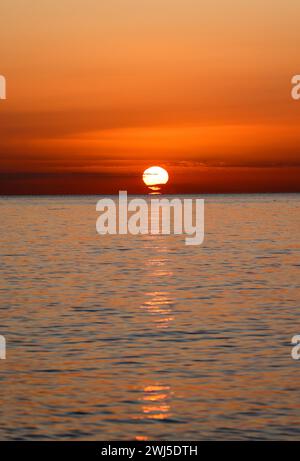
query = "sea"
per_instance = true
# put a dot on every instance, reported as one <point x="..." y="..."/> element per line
<point x="142" y="337"/>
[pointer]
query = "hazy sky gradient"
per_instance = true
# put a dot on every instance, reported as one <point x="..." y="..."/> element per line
<point x="113" y="86"/>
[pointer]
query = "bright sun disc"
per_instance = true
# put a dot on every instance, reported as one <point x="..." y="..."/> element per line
<point x="155" y="175"/>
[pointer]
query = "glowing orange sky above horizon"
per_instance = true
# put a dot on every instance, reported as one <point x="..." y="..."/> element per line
<point x="115" y="86"/>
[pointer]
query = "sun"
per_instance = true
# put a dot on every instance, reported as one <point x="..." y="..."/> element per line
<point x="155" y="176"/>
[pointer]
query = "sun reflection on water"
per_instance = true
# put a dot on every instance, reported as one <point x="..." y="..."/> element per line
<point x="160" y="306"/>
<point x="155" y="402"/>
<point x="159" y="303"/>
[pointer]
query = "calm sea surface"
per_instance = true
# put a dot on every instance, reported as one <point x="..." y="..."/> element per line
<point x="143" y="337"/>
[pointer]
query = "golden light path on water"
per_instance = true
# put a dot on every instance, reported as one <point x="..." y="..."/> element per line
<point x="156" y="397"/>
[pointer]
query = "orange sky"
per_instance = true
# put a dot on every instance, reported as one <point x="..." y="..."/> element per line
<point x="99" y="90"/>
